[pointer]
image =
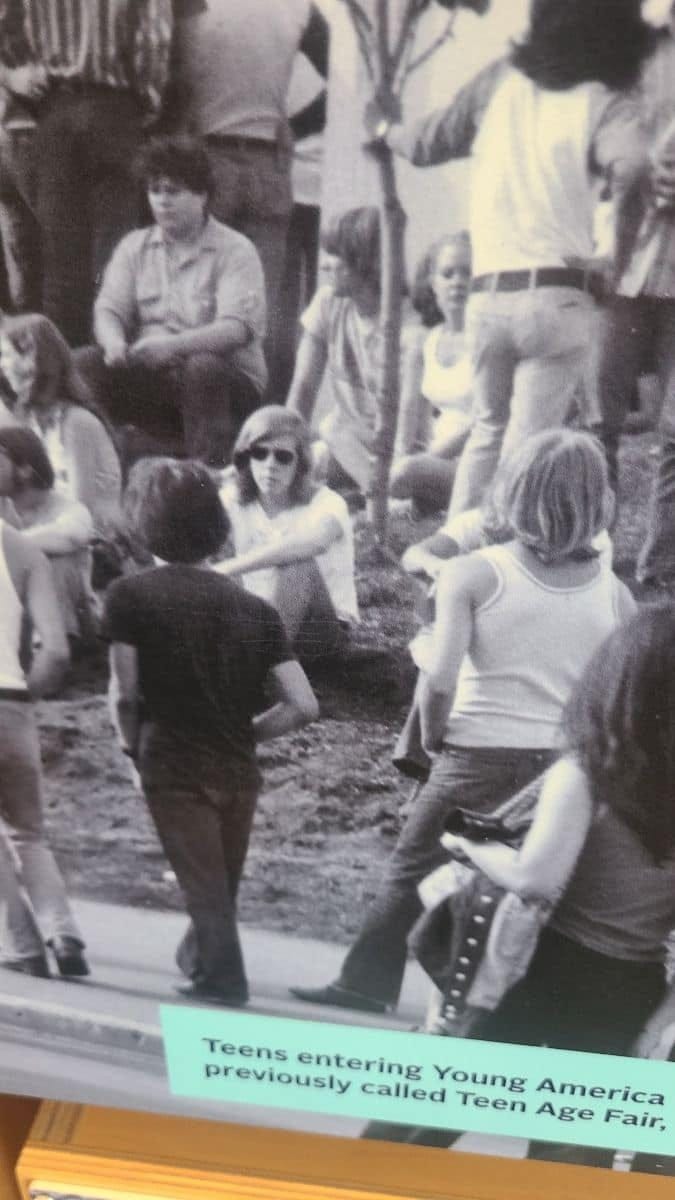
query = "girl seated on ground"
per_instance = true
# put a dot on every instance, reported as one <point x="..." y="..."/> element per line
<point x="62" y="528"/>
<point x="435" y="415"/>
<point x="53" y="400"/>
<point x="292" y="539"/>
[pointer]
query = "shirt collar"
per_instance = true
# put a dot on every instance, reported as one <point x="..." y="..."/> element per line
<point x="207" y="240"/>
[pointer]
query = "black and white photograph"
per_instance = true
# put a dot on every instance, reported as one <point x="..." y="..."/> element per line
<point x="337" y="534"/>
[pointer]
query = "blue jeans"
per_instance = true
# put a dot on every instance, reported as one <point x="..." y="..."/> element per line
<point x="479" y="779"/>
<point x="528" y="351"/>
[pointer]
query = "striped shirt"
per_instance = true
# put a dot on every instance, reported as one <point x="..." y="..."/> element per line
<point x="121" y="44"/>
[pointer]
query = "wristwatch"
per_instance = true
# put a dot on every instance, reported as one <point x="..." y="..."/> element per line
<point x="382" y="129"/>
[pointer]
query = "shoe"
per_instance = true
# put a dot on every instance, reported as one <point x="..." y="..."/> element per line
<point x="339" y="997"/>
<point x="211" y="994"/>
<point x="37" y="965"/>
<point x="69" y="957"/>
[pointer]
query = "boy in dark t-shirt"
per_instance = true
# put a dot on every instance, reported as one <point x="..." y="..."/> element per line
<point x="192" y="657"/>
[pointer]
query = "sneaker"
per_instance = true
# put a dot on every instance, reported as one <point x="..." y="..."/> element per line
<point x="70" y="960"/>
<point x="211" y="994"/>
<point x="36" y="965"/>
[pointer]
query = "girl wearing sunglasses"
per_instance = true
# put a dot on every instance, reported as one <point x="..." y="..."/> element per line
<point x="292" y="540"/>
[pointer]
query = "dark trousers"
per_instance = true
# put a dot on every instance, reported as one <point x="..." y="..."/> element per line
<point x="636" y="334"/>
<point x="253" y="195"/>
<point x="196" y="408"/>
<point x="475" y="778"/>
<point x="203" y="813"/>
<point x="572" y="998"/>
<point x="85" y="195"/>
<point x="298" y="284"/>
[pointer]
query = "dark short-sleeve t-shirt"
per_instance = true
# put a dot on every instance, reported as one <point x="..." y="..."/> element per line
<point x="205" y="648"/>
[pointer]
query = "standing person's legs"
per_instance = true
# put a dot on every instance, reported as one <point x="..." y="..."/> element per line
<point x="494" y="359"/>
<point x="552" y="329"/>
<point x="253" y="195"/>
<point x="86" y="196"/>
<point x="657" y="557"/>
<point x="624" y="335"/>
<point x="297" y="287"/>
<point x="19" y="229"/>
<point x="204" y="824"/>
<point x="477" y="779"/>
<point x="21" y="809"/>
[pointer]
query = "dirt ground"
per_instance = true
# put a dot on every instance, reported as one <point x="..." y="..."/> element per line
<point x="331" y="807"/>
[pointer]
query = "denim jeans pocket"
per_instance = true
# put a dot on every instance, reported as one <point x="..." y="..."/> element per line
<point x="560" y="323"/>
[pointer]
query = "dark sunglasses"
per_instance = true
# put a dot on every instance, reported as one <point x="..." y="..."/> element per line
<point x="283" y="457"/>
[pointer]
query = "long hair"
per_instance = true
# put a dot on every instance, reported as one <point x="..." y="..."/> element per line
<point x="173" y="508"/>
<point x="581" y="41"/>
<point x="24" y="449"/>
<point x="422" y="292"/>
<point x="620" y="722"/>
<point x="56" y="366"/>
<point x="273" y="420"/>
<point x="552" y="493"/>
<point x="354" y="236"/>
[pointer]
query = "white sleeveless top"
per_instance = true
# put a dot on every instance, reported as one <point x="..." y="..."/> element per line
<point x="532" y="193"/>
<point x="446" y="387"/>
<point x="11" y="615"/>
<point x="530" y="644"/>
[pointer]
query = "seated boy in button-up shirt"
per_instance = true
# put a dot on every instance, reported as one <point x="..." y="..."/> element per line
<point x="180" y="316"/>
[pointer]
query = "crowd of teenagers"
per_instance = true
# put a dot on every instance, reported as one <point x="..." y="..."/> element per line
<point x="169" y="488"/>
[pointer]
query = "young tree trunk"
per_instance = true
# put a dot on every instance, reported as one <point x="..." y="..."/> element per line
<point x="393" y="222"/>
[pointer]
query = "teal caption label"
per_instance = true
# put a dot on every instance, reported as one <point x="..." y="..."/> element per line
<point x="417" y="1079"/>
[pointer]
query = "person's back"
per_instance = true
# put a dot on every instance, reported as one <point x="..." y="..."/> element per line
<point x="205" y="647"/>
<point x="532" y="192"/>
<point x="532" y="638"/>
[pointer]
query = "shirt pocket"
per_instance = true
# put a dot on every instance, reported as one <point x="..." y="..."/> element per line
<point x="204" y="303"/>
<point x="150" y="303"/>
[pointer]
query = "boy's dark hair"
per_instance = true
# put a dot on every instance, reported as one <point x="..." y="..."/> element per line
<point x="174" y="509"/>
<point x="178" y="157"/>
<point x="580" y="41"/>
<point x="354" y="236"/>
<point x="24" y="449"/>
<point x="620" y="722"/>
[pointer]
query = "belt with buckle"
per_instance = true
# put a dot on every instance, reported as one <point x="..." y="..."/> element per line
<point x="516" y="281"/>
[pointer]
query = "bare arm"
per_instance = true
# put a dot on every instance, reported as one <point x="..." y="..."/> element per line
<point x="429" y="556"/>
<point x="295" y="703"/>
<point x="412" y="400"/>
<point x="542" y="866"/>
<point x="317" y="536"/>
<point x="310" y="365"/>
<point x="123" y="695"/>
<point x="463" y="585"/>
<point x="69" y="531"/>
<point x="51" y="654"/>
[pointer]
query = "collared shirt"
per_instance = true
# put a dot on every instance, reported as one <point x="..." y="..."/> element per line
<point x="651" y="270"/>
<point x="123" y="44"/>
<point x="535" y="155"/>
<point x="152" y="286"/>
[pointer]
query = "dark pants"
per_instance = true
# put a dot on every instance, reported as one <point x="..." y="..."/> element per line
<point x="572" y="998"/>
<point x="475" y="778"/>
<point x="298" y="285"/>
<point x="203" y="814"/>
<point x="196" y="408"/>
<point x="253" y="195"/>
<point x="85" y="195"/>
<point x="638" y="334"/>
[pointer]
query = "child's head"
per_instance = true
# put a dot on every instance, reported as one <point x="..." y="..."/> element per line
<point x="442" y="278"/>
<point x="174" y="509"/>
<point x="353" y="238"/>
<point x="620" y="721"/>
<point x="552" y="493"/>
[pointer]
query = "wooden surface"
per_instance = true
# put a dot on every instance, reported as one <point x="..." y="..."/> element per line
<point x="16" y="1117"/>
<point x="102" y="1153"/>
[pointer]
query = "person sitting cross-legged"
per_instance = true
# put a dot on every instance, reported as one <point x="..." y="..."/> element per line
<point x="180" y="317"/>
<point x="59" y="526"/>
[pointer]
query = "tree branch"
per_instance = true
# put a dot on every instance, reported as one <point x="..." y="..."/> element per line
<point x="439" y="41"/>
<point x="363" y="30"/>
